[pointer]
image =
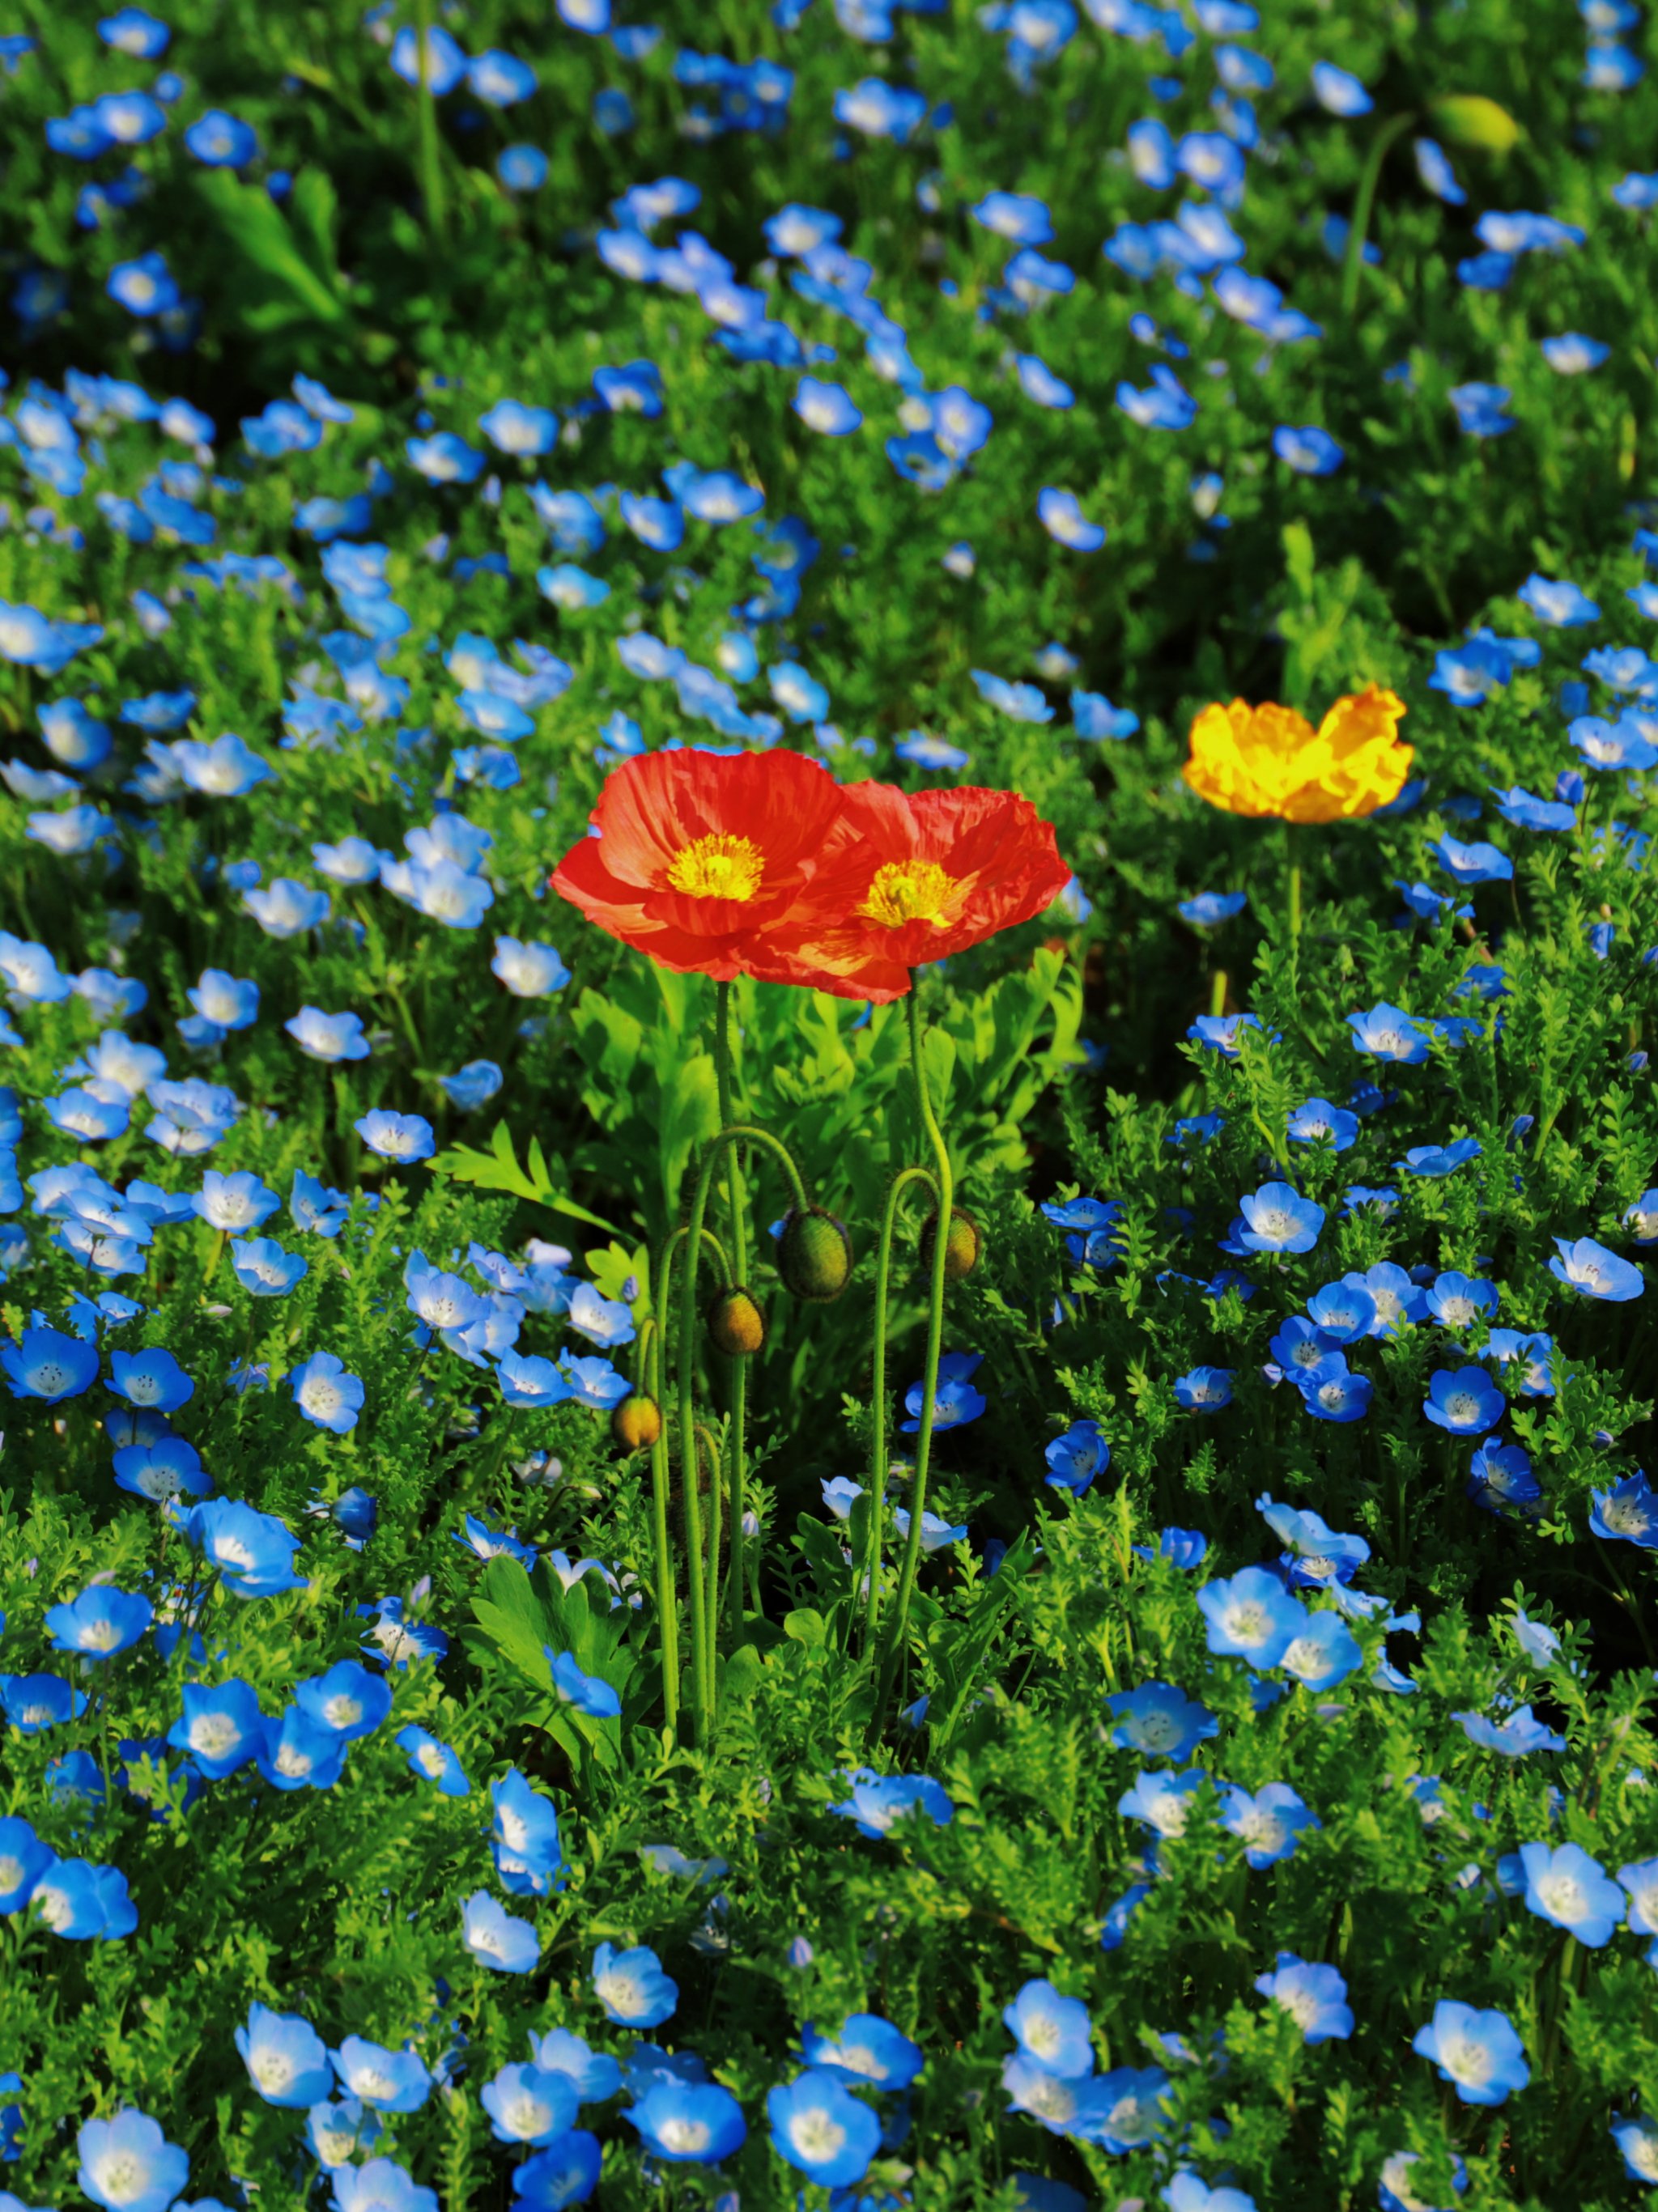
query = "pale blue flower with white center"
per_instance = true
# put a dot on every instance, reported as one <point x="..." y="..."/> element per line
<point x="264" y="1269"/>
<point x="529" y="2105"/>
<point x="826" y="408"/>
<point x="1310" y="450"/>
<point x="1280" y="1219"/>
<point x="588" y="1693"/>
<point x="127" y="2165"/>
<point x="1588" y="1268"/>
<point x="1637" y="2146"/>
<point x="821" y="2130"/>
<point x="632" y="1987"/>
<point x="692" y="2123"/>
<point x="348" y="1701"/>
<point x="221" y="1726"/>
<point x="1458" y="1301"/>
<point x="381" y="2184"/>
<point x="595" y="2074"/>
<point x="400" y="1137"/>
<point x="331" y="1038"/>
<point x="252" y="1552"/>
<point x="878" y="1801"/>
<point x="1463" y="1400"/>
<point x="287" y="2060"/>
<point x="1159" y="1722"/>
<point x="1315" y="1997"/>
<point x="1270" y="1824"/>
<point x="100" y="1623"/>
<point x="528" y="970"/>
<point x="1187" y="2192"/>
<point x="386" y="2081"/>
<point x="1318" y="1121"/>
<point x="234" y="1202"/>
<point x="594" y="1381"/>
<point x="1053" y="2031"/>
<point x="1076" y="1458"/>
<point x="433" y="1761"/>
<point x="1061" y="515"/>
<point x="1321" y="1555"/>
<point x="1566" y="1886"/>
<point x="228" y="1002"/>
<point x="1162" y="1801"/>
<point x="868" y="2049"/>
<point x="285" y="909"/>
<point x="1203" y="1389"/>
<point x="1325" y="1653"/>
<point x="1387" y="1032"/>
<point x="1477" y="2052"/>
<point x="1516" y="1737"/>
<point x="1399" y="2193"/>
<point x="497" y="1938"/>
<point x="1252" y="1616"/>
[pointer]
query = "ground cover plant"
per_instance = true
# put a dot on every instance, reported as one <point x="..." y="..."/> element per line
<point x="826" y="1143"/>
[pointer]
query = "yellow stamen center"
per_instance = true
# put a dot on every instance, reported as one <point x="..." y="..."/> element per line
<point x="907" y="890"/>
<point x="717" y="867"/>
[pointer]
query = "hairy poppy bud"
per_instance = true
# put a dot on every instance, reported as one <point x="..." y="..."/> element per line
<point x="736" y="1324"/>
<point x="637" y="1422"/>
<point x="961" y="1247"/>
<point x="814" y="1254"/>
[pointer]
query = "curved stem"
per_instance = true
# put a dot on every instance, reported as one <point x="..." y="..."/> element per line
<point x="736" y="1468"/>
<point x="1353" y="266"/>
<point x="946" y="1181"/>
<point x="900" y="1184"/>
<point x="701" y="1655"/>
<point x="652" y="1364"/>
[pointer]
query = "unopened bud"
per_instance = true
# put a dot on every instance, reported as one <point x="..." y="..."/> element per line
<point x="736" y="1323"/>
<point x="637" y="1422"/>
<point x="961" y="1246"/>
<point x="814" y="1254"/>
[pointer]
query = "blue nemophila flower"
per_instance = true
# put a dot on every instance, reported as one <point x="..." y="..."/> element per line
<point x="1434" y="1160"/>
<point x="100" y="1623"/>
<point x="868" y="2049"/>
<point x="595" y="2076"/>
<point x="396" y="1136"/>
<point x="1628" y="1511"/>
<point x="1162" y="1801"/>
<point x="1188" y="2192"/>
<point x="287" y="2060"/>
<point x="1301" y="1347"/>
<point x="878" y="1801"/>
<point x="1075" y="1459"/>
<point x="1203" y="1389"/>
<point x="252" y="1550"/>
<point x="326" y="1395"/>
<point x="1280" y="1219"/>
<point x="1339" y="91"/>
<point x="1181" y="1548"/>
<point x="821" y="2129"/>
<point x="235" y="1203"/>
<point x="1159" y="1722"/>
<point x="956" y="1401"/>
<point x="529" y="2105"/>
<point x="1209" y="909"/>
<point x="1471" y="863"/>
<point x="294" y="1753"/>
<point x="1320" y="1555"/>
<point x="1221" y="1032"/>
<point x="589" y="1693"/>
<point x="1309" y="450"/>
<point x="1315" y="1997"/>
<point x="1477" y="2052"/>
<point x="1457" y="1301"/>
<point x="23" y="1859"/>
<point x="1270" y="1824"/>
<point x="1318" y="1119"/>
<point x="1096" y="719"/>
<point x="1615" y="747"/>
<point x="221" y="1726"/>
<point x="331" y="1038"/>
<point x="1588" y="1268"/>
<point x="497" y="1938"/>
<point x="1560" y="604"/>
<point x="1324" y="1652"/>
<point x="524" y="1837"/>
<point x="347" y="1701"/>
<point x="264" y="1269"/>
<point x="127" y="2165"/>
<point x="152" y="1379"/>
<point x="47" y="1364"/>
<point x="632" y="1987"/>
<point x="1387" y="1032"/>
<point x="1573" y="1890"/>
<point x="1054" y="2032"/>
<point x="385" y="2080"/>
<point x="433" y="1761"/>
<point x="689" y="2123"/>
<point x="1517" y="1737"/>
<point x="1061" y="515"/>
<point x="1637" y="2146"/>
<point x="1463" y="1401"/>
<point x="380" y="2186"/>
<point x="1252" y="1616"/>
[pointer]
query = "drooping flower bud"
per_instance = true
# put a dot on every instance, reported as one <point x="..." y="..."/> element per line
<point x="814" y="1254"/>
<point x="961" y="1246"/>
<point x="637" y="1422"/>
<point x="735" y="1323"/>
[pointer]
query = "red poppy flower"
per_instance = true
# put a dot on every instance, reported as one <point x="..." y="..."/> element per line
<point x="701" y="858"/>
<point x="915" y="877"/>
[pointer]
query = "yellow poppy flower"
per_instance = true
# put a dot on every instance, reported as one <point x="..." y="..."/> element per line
<point x="1270" y="760"/>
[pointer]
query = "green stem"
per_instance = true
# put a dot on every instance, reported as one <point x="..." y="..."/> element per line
<point x="737" y="1468"/>
<point x="432" y="170"/>
<point x="946" y="1183"/>
<point x="1292" y="882"/>
<point x="702" y="1675"/>
<point x="1353" y="266"/>
<point x="652" y="1378"/>
<point x="900" y="1184"/>
<point x="1217" y="993"/>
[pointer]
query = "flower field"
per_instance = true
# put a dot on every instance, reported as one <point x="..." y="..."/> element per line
<point x="828" y="1146"/>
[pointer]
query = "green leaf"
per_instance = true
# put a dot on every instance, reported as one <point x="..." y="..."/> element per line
<point x="498" y="1170"/>
<point x="258" y="235"/>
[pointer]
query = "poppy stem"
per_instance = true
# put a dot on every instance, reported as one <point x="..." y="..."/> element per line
<point x="653" y="1378"/>
<point x="1292" y="883"/>
<point x="900" y="1184"/>
<point x="737" y="1468"/>
<point x="702" y="1676"/>
<point x="946" y="1186"/>
<point x="1364" y="200"/>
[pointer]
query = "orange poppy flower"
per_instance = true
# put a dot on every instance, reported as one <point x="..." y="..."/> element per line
<point x="914" y="878"/>
<point x="701" y="858"/>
